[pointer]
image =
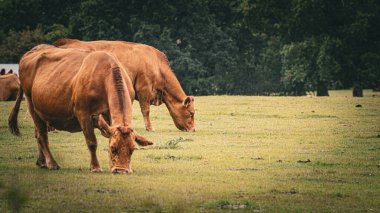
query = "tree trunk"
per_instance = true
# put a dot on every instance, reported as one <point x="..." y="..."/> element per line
<point x="357" y="91"/>
<point x="322" y="89"/>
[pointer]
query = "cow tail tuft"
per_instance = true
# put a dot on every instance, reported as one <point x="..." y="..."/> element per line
<point x="12" y="120"/>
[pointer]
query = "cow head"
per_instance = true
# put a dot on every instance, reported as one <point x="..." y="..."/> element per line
<point x="183" y="114"/>
<point x="123" y="141"/>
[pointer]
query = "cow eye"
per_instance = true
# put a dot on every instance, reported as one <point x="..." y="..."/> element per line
<point x="113" y="150"/>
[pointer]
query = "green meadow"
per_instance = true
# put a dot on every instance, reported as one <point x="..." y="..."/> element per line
<point x="249" y="154"/>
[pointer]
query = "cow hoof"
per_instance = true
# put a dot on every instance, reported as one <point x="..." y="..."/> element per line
<point x="150" y="129"/>
<point x="96" y="170"/>
<point x="54" y="167"/>
<point x="121" y="171"/>
<point x="41" y="163"/>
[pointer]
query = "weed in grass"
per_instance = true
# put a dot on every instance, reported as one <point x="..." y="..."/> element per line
<point x="257" y="158"/>
<point x="313" y="179"/>
<point x="244" y="169"/>
<point x="341" y="195"/>
<point x="173" y="157"/>
<point x="304" y="161"/>
<point x="292" y="191"/>
<point x="107" y="191"/>
<point x="171" y="144"/>
<point x="324" y="164"/>
<point x="231" y="205"/>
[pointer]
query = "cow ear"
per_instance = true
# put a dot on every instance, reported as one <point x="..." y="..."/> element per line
<point x="2" y="72"/>
<point x="104" y="127"/>
<point x="142" y="141"/>
<point x="187" y="101"/>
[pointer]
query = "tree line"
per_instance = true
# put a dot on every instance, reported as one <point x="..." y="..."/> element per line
<point x="245" y="47"/>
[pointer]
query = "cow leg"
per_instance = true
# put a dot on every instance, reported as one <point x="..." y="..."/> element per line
<point x="45" y="158"/>
<point x="41" y="161"/>
<point x="92" y="144"/>
<point x="145" y="109"/>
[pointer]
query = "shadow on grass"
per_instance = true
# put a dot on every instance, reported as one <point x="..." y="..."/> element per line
<point x="15" y="195"/>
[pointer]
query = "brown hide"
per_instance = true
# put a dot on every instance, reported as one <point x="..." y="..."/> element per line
<point x="153" y="79"/>
<point x="9" y="85"/>
<point x="67" y="88"/>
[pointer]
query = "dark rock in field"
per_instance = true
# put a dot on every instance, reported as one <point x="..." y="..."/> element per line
<point x="304" y="161"/>
<point x="313" y="111"/>
<point x="257" y="158"/>
<point x="108" y="191"/>
<point x="235" y="206"/>
<point x="358" y="106"/>
<point x="378" y="135"/>
<point x="292" y="191"/>
<point x="171" y="157"/>
<point x="279" y="161"/>
<point x="378" y="165"/>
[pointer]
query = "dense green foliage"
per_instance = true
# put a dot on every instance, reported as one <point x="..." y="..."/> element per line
<point x="220" y="46"/>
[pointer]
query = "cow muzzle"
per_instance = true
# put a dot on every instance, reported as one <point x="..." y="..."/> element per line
<point x="189" y="130"/>
<point x="117" y="170"/>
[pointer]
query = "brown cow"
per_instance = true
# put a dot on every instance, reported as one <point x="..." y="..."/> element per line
<point x="153" y="79"/>
<point x="9" y="85"/>
<point x="73" y="90"/>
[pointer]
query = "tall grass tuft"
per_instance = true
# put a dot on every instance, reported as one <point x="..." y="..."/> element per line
<point x="171" y="144"/>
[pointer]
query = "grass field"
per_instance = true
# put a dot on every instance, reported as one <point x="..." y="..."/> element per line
<point x="249" y="154"/>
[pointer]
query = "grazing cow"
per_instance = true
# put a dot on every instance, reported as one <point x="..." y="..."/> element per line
<point x="75" y="90"/>
<point x="153" y="79"/>
<point x="9" y="85"/>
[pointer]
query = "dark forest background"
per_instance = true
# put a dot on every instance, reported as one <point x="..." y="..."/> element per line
<point x="247" y="47"/>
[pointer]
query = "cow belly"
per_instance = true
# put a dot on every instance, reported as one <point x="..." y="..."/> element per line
<point x="66" y="123"/>
<point x="71" y="125"/>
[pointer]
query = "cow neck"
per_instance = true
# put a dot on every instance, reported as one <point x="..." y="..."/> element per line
<point x="173" y="91"/>
<point x="119" y="101"/>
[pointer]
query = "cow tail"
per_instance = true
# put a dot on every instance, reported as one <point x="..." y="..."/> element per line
<point x="12" y="120"/>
